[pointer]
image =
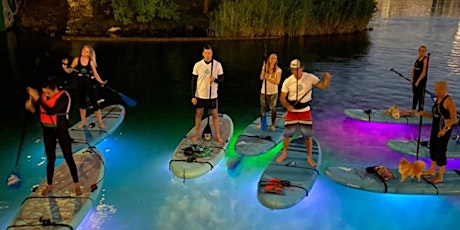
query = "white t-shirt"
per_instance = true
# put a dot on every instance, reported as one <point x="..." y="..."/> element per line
<point x="296" y="89"/>
<point x="271" y="88"/>
<point x="203" y="70"/>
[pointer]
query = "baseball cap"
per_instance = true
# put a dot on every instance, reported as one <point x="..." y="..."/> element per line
<point x="295" y="64"/>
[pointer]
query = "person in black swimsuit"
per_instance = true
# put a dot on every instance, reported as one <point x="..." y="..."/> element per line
<point x="418" y="78"/>
<point x="444" y="114"/>
<point x="88" y="81"/>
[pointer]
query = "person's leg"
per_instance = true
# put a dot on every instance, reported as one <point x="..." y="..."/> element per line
<point x="82" y="118"/>
<point x="431" y="171"/>
<point x="198" y="114"/>
<point x="99" y="118"/>
<point x="439" y="178"/>
<point x="93" y="98"/>
<point x="215" y="120"/>
<point x="414" y="97"/>
<point x="49" y="139"/>
<point x="66" y="146"/>
<point x="309" y="147"/>
<point x="273" y="100"/>
<point x="288" y="132"/>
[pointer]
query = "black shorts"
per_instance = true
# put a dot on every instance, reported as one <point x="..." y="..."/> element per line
<point x="206" y="103"/>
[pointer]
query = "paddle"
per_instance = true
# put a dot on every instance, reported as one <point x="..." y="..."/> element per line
<point x="129" y="101"/>
<point x="431" y="94"/>
<point x="422" y="104"/>
<point x="14" y="179"/>
<point x="207" y="133"/>
<point x="263" y="120"/>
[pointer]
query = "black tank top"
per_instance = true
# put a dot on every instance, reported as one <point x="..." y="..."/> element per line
<point x="84" y="71"/>
<point x="418" y="69"/>
<point x="440" y="115"/>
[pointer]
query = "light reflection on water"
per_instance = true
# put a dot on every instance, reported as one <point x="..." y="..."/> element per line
<point x="140" y="192"/>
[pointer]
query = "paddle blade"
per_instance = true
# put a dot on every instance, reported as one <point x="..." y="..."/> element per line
<point x="14" y="179"/>
<point x="207" y="133"/>
<point x="263" y="122"/>
<point x="129" y="101"/>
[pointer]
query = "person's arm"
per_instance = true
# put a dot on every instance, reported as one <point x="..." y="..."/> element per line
<point x="219" y="79"/>
<point x="65" y="66"/>
<point x="449" y="104"/>
<point x="263" y="72"/>
<point x="324" y="84"/>
<point x="31" y="101"/>
<point x="193" y="85"/>
<point x="96" y="75"/>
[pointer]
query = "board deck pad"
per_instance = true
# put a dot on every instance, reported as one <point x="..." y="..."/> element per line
<point x="358" y="178"/>
<point x="61" y="209"/>
<point x="207" y="154"/>
<point x="409" y="147"/>
<point x="91" y="135"/>
<point x="380" y="116"/>
<point x="253" y="141"/>
<point x="294" y="177"/>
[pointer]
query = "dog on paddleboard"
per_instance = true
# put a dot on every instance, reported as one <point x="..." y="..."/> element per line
<point x="410" y="169"/>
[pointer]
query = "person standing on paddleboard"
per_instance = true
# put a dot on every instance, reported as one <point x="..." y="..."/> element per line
<point x="295" y="96"/>
<point x="418" y="79"/>
<point x="270" y="76"/>
<point x="207" y="74"/>
<point x="88" y="81"/>
<point x="54" y="107"/>
<point x="444" y="114"/>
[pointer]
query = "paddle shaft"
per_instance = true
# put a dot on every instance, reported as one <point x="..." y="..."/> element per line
<point x="129" y="101"/>
<point x="409" y="79"/>
<point x="21" y="142"/>
<point x="422" y="104"/>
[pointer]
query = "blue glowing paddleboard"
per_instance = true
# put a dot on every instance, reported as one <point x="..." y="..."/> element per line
<point x="380" y="116"/>
<point x="254" y="141"/>
<point x="358" y="178"/>
<point x="91" y="134"/>
<point x="285" y="184"/>
<point x="207" y="154"/>
<point x="409" y="147"/>
<point x="61" y="209"/>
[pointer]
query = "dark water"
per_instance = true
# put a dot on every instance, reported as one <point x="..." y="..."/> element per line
<point x="139" y="192"/>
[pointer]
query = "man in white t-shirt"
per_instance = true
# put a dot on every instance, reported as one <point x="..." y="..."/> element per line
<point x="297" y="88"/>
<point x="206" y="76"/>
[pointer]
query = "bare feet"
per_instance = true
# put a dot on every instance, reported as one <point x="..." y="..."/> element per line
<point x="219" y="140"/>
<point x="428" y="173"/>
<point x="80" y="126"/>
<point x="194" y="139"/>
<point x="78" y="191"/>
<point x="47" y="190"/>
<point x="272" y="127"/>
<point x="282" y="157"/>
<point x="311" y="162"/>
<point x="436" y="180"/>
<point x="258" y="126"/>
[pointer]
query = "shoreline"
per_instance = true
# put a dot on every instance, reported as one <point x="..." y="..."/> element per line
<point x="160" y="39"/>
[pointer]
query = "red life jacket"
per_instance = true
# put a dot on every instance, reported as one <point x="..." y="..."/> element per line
<point x="50" y="120"/>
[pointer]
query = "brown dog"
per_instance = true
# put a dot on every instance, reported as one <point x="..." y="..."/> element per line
<point x="412" y="169"/>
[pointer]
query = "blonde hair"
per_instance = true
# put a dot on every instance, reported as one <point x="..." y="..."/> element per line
<point x="92" y="53"/>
